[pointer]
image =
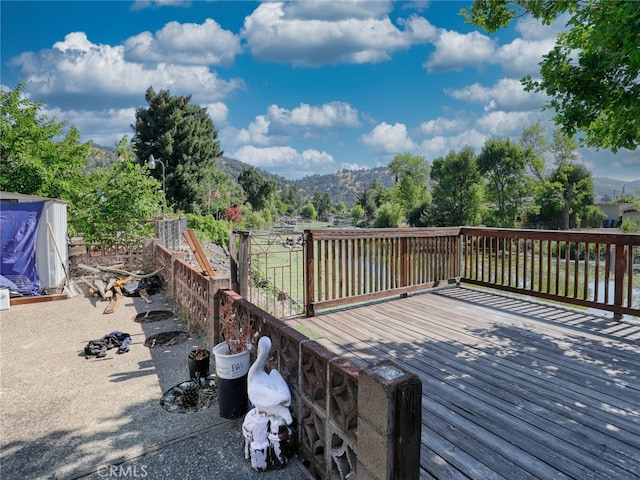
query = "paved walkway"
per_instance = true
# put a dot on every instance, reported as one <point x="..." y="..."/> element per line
<point x="64" y="416"/>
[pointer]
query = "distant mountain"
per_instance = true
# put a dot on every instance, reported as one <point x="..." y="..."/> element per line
<point x="344" y="186"/>
<point x="233" y="168"/>
<point x="100" y="157"/>
<point x="607" y="189"/>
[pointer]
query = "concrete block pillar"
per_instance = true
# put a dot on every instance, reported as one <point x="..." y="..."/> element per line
<point x="389" y="423"/>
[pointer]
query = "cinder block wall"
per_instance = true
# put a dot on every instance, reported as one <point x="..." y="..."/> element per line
<point x="350" y="421"/>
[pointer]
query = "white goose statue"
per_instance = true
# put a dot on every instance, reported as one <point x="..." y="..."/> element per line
<point x="268" y="392"/>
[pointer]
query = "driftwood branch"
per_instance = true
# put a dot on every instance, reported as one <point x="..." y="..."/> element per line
<point x="99" y="269"/>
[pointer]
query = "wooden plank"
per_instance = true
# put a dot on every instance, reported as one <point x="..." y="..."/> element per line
<point x="512" y="389"/>
<point x="39" y="299"/>
<point x="196" y="247"/>
<point x="112" y="306"/>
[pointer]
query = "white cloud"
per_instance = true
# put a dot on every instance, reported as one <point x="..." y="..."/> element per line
<point x="184" y="43"/>
<point x="440" y="145"/>
<point x="389" y="138"/>
<point x="623" y="165"/>
<point x="256" y="133"/>
<point x="280" y="125"/>
<point x="108" y="126"/>
<point x="532" y="29"/>
<point x="328" y="115"/>
<point x="419" y="29"/>
<point x="506" y="94"/>
<point x="334" y="10"/>
<point x="353" y="166"/>
<point x="142" y="4"/>
<point x="522" y="57"/>
<point x="319" y="33"/>
<point x="77" y="70"/>
<point x="285" y="160"/>
<point x="218" y="112"/>
<point x="456" y="51"/>
<point x="442" y="125"/>
<point x="506" y="124"/>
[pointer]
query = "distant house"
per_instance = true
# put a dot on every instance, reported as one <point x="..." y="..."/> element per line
<point x="616" y="212"/>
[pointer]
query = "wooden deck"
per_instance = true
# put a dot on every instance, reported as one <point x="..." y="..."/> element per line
<point x="512" y="389"/>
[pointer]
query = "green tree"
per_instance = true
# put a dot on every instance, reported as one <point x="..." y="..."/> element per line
<point x="535" y="146"/>
<point x="309" y="211"/>
<point x="563" y="148"/>
<point x="423" y="216"/>
<point x="340" y="208"/>
<point x="38" y="156"/>
<point x="292" y="197"/>
<point x="183" y="137"/>
<point x="210" y="229"/>
<point x="323" y="203"/>
<point x="389" y="215"/>
<point x="115" y="200"/>
<point x="568" y="196"/>
<point x="458" y="191"/>
<point x="259" y="190"/>
<point x="369" y="199"/>
<point x="503" y="165"/>
<point x="591" y="75"/>
<point x="357" y="215"/>
<point x="412" y="180"/>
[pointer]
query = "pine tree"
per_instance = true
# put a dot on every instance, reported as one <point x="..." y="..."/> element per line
<point x="183" y="137"/>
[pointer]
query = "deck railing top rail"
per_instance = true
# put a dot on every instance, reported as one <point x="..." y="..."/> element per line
<point x="613" y="238"/>
<point x="353" y="233"/>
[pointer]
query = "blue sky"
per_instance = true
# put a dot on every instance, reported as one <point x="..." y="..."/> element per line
<point x="297" y="88"/>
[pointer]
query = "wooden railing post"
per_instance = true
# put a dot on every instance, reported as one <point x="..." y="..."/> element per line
<point x="309" y="273"/>
<point x="241" y="265"/>
<point x="404" y="261"/>
<point x="620" y="269"/>
<point x="216" y="316"/>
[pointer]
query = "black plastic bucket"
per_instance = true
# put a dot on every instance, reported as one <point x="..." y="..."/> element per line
<point x="232" y="397"/>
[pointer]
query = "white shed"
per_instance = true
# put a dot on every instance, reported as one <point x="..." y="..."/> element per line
<point x="51" y="229"/>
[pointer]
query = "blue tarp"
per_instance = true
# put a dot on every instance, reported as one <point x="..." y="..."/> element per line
<point x="18" y="232"/>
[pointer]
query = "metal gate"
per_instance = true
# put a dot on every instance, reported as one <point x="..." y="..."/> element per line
<point x="268" y="270"/>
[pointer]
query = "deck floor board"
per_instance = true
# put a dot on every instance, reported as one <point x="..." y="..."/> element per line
<point x="512" y="388"/>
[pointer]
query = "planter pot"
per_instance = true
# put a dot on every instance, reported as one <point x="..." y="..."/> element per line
<point x="232" y="371"/>
<point x="198" y="366"/>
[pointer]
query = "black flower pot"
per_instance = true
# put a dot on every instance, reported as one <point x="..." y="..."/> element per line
<point x="198" y="360"/>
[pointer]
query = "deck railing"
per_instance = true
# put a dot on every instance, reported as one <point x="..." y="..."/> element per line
<point x="587" y="269"/>
<point x="349" y="266"/>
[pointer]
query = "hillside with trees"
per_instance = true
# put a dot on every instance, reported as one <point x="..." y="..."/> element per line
<point x="112" y="193"/>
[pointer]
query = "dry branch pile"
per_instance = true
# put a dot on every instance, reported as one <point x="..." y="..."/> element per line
<point x="110" y="283"/>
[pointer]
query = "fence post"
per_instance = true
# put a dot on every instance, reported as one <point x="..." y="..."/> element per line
<point x="215" y="285"/>
<point x="240" y="266"/>
<point x="404" y="262"/>
<point x="389" y="423"/>
<point x="216" y="317"/>
<point x="309" y="274"/>
<point x="620" y="269"/>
